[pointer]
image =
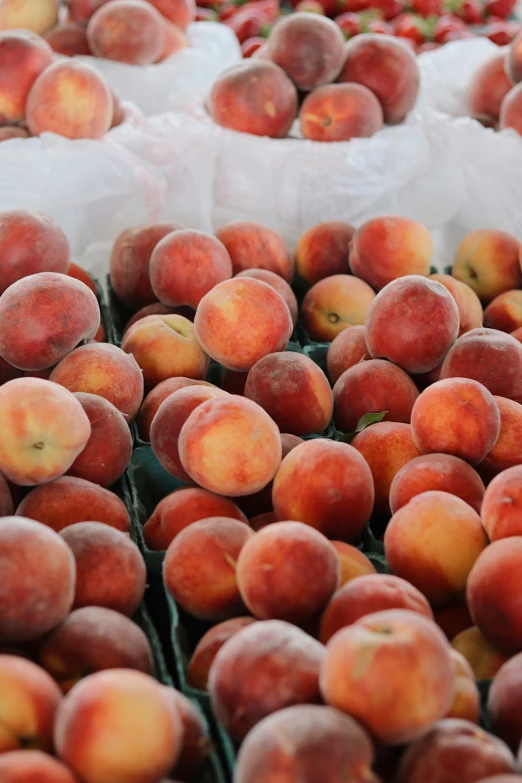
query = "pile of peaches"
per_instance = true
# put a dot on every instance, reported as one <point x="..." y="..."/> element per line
<point x="495" y="92"/>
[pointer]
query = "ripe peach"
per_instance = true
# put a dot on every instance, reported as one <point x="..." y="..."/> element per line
<point x="484" y="659"/>
<point x="22" y="58"/>
<point x="488" y="262"/>
<point x="340" y="112"/>
<point x="347" y="349"/>
<point x="240" y="321"/>
<point x="82" y="10"/>
<point x="318" y="481"/>
<point x="105" y="370"/>
<point x="468" y="303"/>
<point x="456" y="538"/>
<point x="261" y="521"/>
<point x="67" y="500"/>
<point x="83" y="276"/>
<point x="501" y="505"/>
<point x="324" y="250"/>
<point x="38" y="16"/>
<point x="487" y="89"/>
<point x="179" y="12"/>
<point x="510" y="110"/>
<point x="254" y="97"/>
<point x="352" y="561"/>
<point x="365" y="595"/>
<point x="118" y="725"/>
<point x="174" y="40"/>
<point x="71" y="99"/>
<point x="504" y="701"/>
<point x="196" y="744"/>
<point x="69" y="39"/>
<point x="507" y="451"/>
<point x="436" y="472"/>
<point x="466" y="695"/>
<point x="278" y="284"/>
<point x="159" y="394"/>
<point x="130" y="261"/>
<point x="110" y="570"/>
<point x="29" y="766"/>
<point x="130" y="31"/>
<point x="365" y="661"/>
<point x="504" y="312"/>
<point x="334" y="304"/>
<point x="157" y="308"/>
<point x="253" y="246"/>
<point x="210" y="593"/>
<point x="33" y="599"/>
<point x="208" y="647"/>
<point x="262" y="669"/>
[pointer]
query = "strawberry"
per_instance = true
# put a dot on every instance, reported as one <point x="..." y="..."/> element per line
<point x="470" y="11"/>
<point x="502" y="33"/>
<point x="500" y="8"/>
<point x="426" y="7"/>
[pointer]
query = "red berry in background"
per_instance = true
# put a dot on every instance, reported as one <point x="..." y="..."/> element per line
<point x="409" y="26"/>
<point x="228" y="10"/>
<point x="205" y="14"/>
<point x="247" y="23"/>
<point x="502" y="33"/>
<point x="470" y="11"/>
<point x="390" y="9"/>
<point x="499" y="8"/>
<point x="445" y="26"/>
<point x="426" y="7"/>
<point x="349" y="23"/>
<point x="251" y="45"/>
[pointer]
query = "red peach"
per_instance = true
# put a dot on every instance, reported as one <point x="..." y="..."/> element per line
<point x="261" y="521"/>
<point x="507" y="452"/>
<point x="278" y="283"/>
<point x="352" y="561"/>
<point x="179" y="12"/>
<point x="33" y="766"/>
<point x="208" y="647"/>
<point x="174" y="41"/>
<point x="159" y="394"/>
<point x="253" y="246"/>
<point x="488" y="262"/>
<point x="504" y="312"/>
<point x="324" y="250"/>
<point x="484" y="659"/>
<point x="157" y="308"/>
<point x="340" y="112"/>
<point x="504" y="700"/>
<point x="130" y="31"/>
<point x="513" y="63"/>
<point x="347" y="349"/>
<point x="334" y="304"/>
<point x="82" y="10"/>
<point x="69" y="39"/>
<point x="23" y="57"/>
<point x="488" y="87"/>
<point x="501" y="505"/>
<point x="468" y="303"/>
<point x="81" y="274"/>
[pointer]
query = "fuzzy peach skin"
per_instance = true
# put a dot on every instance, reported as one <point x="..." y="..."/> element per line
<point x="335" y="304"/>
<point x="436" y="472"/>
<point x="340" y="112"/>
<point x="22" y="58"/>
<point x="386" y="446"/>
<point x="38" y="16"/>
<point x="92" y="639"/>
<point x="110" y="570"/>
<point x="384" y="249"/>
<point x="456" y="416"/>
<point x="466" y="695"/>
<point x="487" y="261"/>
<point x="196" y="746"/>
<point x="104" y="370"/>
<point x="168" y="422"/>
<point x="306" y="742"/>
<point x="43" y="317"/>
<point x="293" y="390"/>
<point x="413" y="322"/>
<point x="208" y="647"/>
<point x="130" y="260"/>
<point x="83" y="276"/>
<point x="456" y="540"/>
<point x="44" y="429"/>
<point x="129" y="31"/>
<point x="118" y="725"/>
<point x="33" y="766"/>
<point x="29" y="699"/>
<point x="157" y="396"/>
<point x="165" y="346"/>
<point x="373" y="386"/>
<point x="346" y="350"/>
<point x="68" y="500"/>
<point x="33" y="600"/>
<point x="318" y="481"/>
<point x="365" y="595"/>
<point x="254" y="97"/>
<point x="502" y="503"/>
<point x="210" y="593"/>
<point x="453" y="617"/>
<point x="388" y="68"/>
<point x="263" y="668"/>
<point x="483" y="657"/>
<point x="507" y="451"/>
<point x="240" y="321"/>
<point x="179" y="12"/>
<point x="511" y="110"/>
<point x="253" y="246"/>
<point x="69" y="39"/>
<point x="186" y="265"/>
<point x="278" y="283"/>
<point x="324" y="250"/>
<point x="352" y="561"/>
<point x="368" y="664"/>
<point x="504" y="312"/>
<point x="504" y="700"/>
<point x="468" y="303"/>
<point x="489" y="85"/>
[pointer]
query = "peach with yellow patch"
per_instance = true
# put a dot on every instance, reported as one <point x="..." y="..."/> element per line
<point x="23" y="57"/>
<point x="483" y="657"/>
<point x="352" y="561"/>
<point x="488" y="262"/>
<point x="39" y="16"/>
<point x="334" y="304"/>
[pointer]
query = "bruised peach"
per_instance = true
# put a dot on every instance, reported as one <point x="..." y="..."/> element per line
<point x="208" y="647"/>
<point x="488" y="262"/>
<point x="507" y="451"/>
<point x="276" y="282"/>
<point x="347" y="349"/>
<point x="489" y="85"/>
<point x="29" y="766"/>
<point x="69" y="39"/>
<point x="340" y="112"/>
<point x="23" y="57"/>
<point x="335" y="304"/>
<point x="324" y="250"/>
<point x="468" y="303"/>
<point x="253" y="246"/>
<point x="159" y="394"/>
<point x="130" y="31"/>
<point x="484" y="658"/>
<point x="352" y="561"/>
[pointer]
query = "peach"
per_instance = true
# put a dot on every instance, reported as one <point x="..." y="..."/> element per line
<point x="253" y="246"/>
<point x="262" y="520"/>
<point x="23" y="57"/>
<point x="159" y="394"/>
<point x="365" y="662"/>
<point x="466" y="695"/>
<point x="110" y="570"/>
<point x="334" y="304"/>
<point x="70" y="99"/>
<point x="468" y="303"/>
<point x="165" y="346"/>
<point x="69" y="39"/>
<point x="196" y="743"/>
<point x="388" y="68"/>
<point x="82" y="10"/>
<point x="130" y="261"/>
<point x="453" y="617"/>
<point x="33" y="599"/>
<point x="262" y="669"/>
<point x="455" y="751"/>
<point x="107" y="454"/>
<point x="340" y="112"/>
<point x="347" y="349"/>
<point x="507" y="451"/>
<point x="43" y="317"/>
<point x="179" y="12"/>
<point x="387" y="446"/>
<point x="180" y="509"/>
<point x="211" y="593"/>
<point x="488" y="87"/>
<point x="365" y="595"/>
<point x="67" y="500"/>
<point x="38" y="16"/>
<point x="387" y="248"/>
<point x="513" y="61"/>
<point x="186" y="265"/>
<point x="208" y="647"/>
<point x="44" y="429"/>
<point x="373" y="386"/>
<point x="255" y="97"/>
<point x="441" y="472"/>
<point x="130" y="31"/>
<point x="276" y="282"/>
<point x="12" y="132"/>
<point x="488" y="262"/>
<point x="293" y="390"/>
<point x="118" y="725"/>
<point x="105" y="370"/>
<point x="504" y="312"/>
<point x="83" y="276"/>
<point x="324" y="250"/>
<point x="352" y="561"/>
<point x="484" y="659"/>
<point x="455" y="536"/>
<point x="413" y="322"/>
<point x="501" y="505"/>
<point x="157" y="308"/>
<point x="309" y="48"/>
<point x="309" y="742"/>
<point x="318" y="481"/>
<point x="504" y="701"/>
<point x="168" y="422"/>
<point x="92" y="639"/>
<point x="174" y="40"/>
<point x="456" y="416"/>
<point x="510" y="110"/>
<point x="33" y="766"/>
